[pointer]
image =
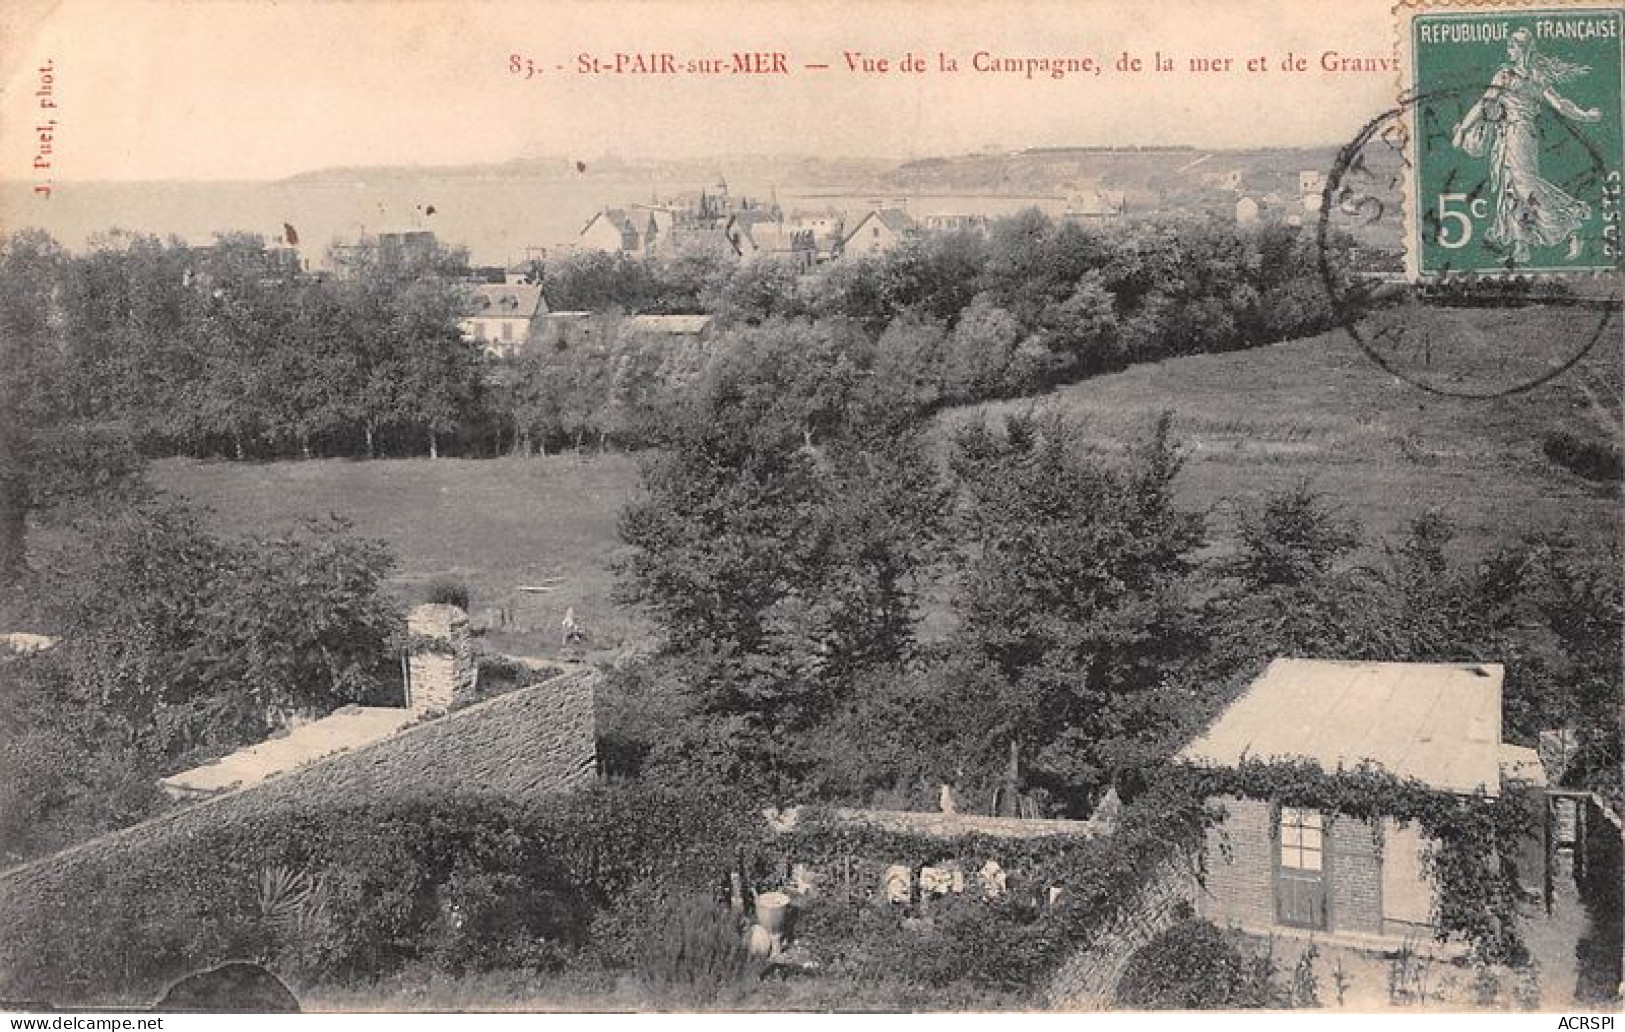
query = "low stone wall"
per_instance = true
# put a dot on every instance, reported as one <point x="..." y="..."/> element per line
<point x="958" y="825"/>
<point x="1088" y="980"/>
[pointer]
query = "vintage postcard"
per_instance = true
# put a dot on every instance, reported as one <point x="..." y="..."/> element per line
<point x="702" y="506"/>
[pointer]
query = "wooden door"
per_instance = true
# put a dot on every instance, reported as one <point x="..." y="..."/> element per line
<point x="1300" y="869"/>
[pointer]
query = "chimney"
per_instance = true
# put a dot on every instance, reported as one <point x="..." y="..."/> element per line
<point x="441" y="671"/>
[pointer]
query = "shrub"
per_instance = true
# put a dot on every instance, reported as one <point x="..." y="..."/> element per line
<point x="1594" y="460"/>
<point x="447" y="591"/>
<point x="692" y="951"/>
<point x="1194" y="966"/>
<point x="468" y="882"/>
<point x="997" y="944"/>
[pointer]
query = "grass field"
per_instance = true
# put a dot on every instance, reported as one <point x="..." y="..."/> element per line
<point x="1251" y="422"/>
<point x="1261" y="420"/>
<point x="495" y="524"/>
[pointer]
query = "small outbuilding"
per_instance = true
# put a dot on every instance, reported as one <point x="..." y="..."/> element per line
<point x="1273" y="867"/>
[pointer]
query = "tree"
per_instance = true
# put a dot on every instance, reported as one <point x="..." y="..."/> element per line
<point x="1583" y="603"/>
<point x="50" y="451"/>
<point x="1077" y="595"/>
<point x="173" y="639"/>
<point x="596" y="281"/>
<point x="434" y="373"/>
<point x="780" y="538"/>
<point x="1292" y="539"/>
<point x="978" y="352"/>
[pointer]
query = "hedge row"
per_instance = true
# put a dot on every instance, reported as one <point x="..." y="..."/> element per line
<point x="351" y="893"/>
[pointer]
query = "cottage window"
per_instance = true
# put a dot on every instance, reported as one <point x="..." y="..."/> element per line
<point x="507" y="331"/>
<point x="1302" y="841"/>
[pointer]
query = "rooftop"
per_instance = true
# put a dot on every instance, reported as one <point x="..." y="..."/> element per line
<point x="519" y="300"/>
<point x="683" y="324"/>
<point x="344" y="729"/>
<point x="1439" y="723"/>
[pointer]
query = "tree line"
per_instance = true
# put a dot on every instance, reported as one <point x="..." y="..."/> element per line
<point x="151" y="346"/>
<point x="221" y="351"/>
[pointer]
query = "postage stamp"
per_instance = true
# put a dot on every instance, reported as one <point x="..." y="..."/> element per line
<point x="1516" y="154"/>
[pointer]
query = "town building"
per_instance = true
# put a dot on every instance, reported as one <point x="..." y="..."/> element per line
<point x="677" y="329"/>
<point x="682" y="343"/>
<point x="880" y="230"/>
<point x="956" y="222"/>
<point x="561" y="331"/>
<point x="618" y="231"/>
<point x="782" y="244"/>
<point x="687" y="220"/>
<point x="1272" y="867"/>
<point x="502" y="316"/>
<point x="1088" y="206"/>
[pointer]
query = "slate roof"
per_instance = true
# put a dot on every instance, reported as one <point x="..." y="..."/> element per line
<point x="895" y="219"/>
<point x="515" y="300"/>
<point x="1437" y="722"/>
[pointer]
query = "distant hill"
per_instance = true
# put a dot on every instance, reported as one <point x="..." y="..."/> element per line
<point x="755" y="169"/>
<point x="1144" y="173"/>
<point x="1150" y="178"/>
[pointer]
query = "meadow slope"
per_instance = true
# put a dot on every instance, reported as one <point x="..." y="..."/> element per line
<point x="1250" y="422"/>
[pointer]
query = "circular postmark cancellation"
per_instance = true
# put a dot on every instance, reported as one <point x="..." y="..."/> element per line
<point x="1470" y="237"/>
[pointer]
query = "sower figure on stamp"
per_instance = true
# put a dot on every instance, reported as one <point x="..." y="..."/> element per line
<point x="1529" y="210"/>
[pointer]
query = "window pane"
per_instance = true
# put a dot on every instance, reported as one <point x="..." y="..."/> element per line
<point x="1289" y="857"/>
<point x="1309" y="860"/>
<point x="1310" y="838"/>
<point x="1310" y="818"/>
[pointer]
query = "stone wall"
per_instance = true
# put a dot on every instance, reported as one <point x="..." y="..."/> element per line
<point x="441" y="670"/>
<point x="955" y="825"/>
<point x="1088" y="979"/>
<point x="524" y="745"/>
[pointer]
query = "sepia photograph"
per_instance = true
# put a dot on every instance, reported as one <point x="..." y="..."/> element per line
<point x="627" y="507"/>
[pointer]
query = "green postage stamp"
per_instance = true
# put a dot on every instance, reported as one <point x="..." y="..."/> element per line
<point x="1516" y="152"/>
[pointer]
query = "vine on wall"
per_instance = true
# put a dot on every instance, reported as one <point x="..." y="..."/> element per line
<point x="1473" y="870"/>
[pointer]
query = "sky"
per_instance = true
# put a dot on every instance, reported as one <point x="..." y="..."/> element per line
<point x="227" y="89"/>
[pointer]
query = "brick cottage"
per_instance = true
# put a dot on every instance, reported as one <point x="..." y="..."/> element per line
<point x="1272" y="867"/>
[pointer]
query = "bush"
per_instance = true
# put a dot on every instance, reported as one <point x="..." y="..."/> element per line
<point x="995" y="944"/>
<point x="1594" y="460"/>
<point x="692" y="951"/>
<point x="1195" y="966"/>
<point x="470" y="882"/>
<point x="447" y="591"/>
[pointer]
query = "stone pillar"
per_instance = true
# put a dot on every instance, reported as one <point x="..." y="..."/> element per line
<point x="440" y="659"/>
